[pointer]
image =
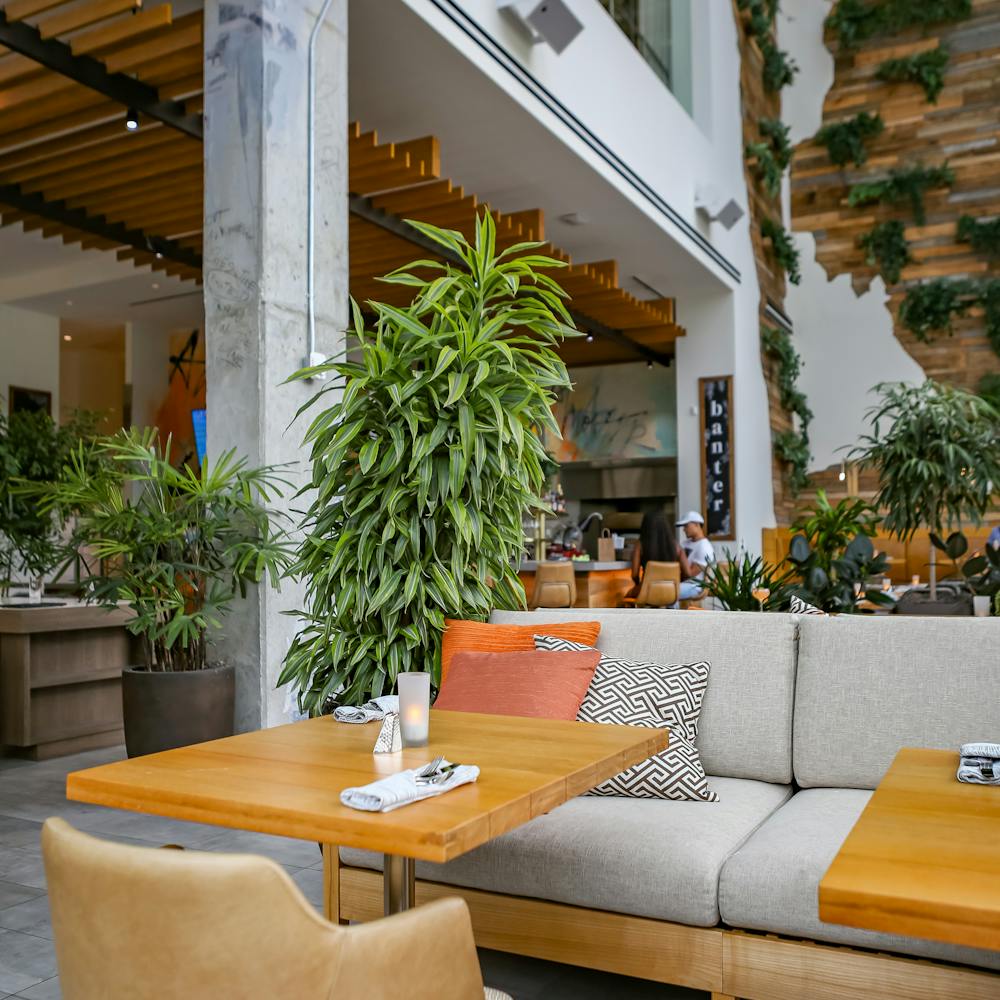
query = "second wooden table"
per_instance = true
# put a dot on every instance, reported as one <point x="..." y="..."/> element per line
<point x="287" y="781"/>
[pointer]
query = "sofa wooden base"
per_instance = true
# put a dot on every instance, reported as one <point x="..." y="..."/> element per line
<point x="728" y="964"/>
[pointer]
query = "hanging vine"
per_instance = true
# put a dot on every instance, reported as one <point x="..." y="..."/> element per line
<point x="923" y="68"/>
<point x="770" y="156"/>
<point x="786" y="255"/>
<point x="886" y="248"/>
<point x="845" y="141"/>
<point x="855" y="21"/>
<point x="902" y="185"/>
<point x="791" y="446"/>
<point x="929" y="308"/>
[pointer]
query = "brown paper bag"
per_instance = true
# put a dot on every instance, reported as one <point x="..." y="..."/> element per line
<point x="606" y="547"/>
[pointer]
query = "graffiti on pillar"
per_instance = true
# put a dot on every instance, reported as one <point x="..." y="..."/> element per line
<point x="718" y="490"/>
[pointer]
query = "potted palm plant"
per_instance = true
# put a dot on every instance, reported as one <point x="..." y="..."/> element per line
<point x="936" y="450"/>
<point x="177" y="546"/>
<point x="426" y="451"/>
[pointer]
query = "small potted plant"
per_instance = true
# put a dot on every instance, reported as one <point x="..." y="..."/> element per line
<point x="177" y="546"/>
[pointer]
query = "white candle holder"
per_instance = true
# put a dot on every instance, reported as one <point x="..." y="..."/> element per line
<point x="414" y="707"/>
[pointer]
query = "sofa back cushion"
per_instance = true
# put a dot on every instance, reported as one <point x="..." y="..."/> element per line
<point x="868" y="686"/>
<point x="745" y="730"/>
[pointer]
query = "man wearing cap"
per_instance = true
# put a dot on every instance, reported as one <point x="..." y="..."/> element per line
<point x="699" y="552"/>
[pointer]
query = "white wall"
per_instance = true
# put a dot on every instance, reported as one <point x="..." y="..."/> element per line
<point x="29" y="353"/>
<point x="147" y="370"/>
<point x="604" y="82"/>
<point x="846" y="341"/>
<point x="723" y="334"/>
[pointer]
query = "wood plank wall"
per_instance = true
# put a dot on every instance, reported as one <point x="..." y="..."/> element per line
<point x="757" y="103"/>
<point x="963" y="127"/>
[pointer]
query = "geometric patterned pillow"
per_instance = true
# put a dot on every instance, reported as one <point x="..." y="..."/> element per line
<point x="800" y="607"/>
<point x="654" y="696"/>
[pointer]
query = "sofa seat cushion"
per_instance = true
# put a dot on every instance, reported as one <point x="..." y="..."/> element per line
<point x="771" y="883"/>
<point x="645" y="857"/>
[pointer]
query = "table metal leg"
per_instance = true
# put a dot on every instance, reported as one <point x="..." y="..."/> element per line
<point x="399" y="884"/>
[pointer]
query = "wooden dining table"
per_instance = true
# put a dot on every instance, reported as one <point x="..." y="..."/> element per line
<point x="287" y="781"/>
<point x="922" y="859"/>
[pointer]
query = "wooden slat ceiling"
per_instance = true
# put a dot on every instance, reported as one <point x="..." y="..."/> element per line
<point x="65" y="146"/>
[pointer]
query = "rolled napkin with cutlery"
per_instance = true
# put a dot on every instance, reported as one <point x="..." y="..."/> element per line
<point x="405" y="787"/>
<point x="979" y="763"/>
<point x="372" y="711"/>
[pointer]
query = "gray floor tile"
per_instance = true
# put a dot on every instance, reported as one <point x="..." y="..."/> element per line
<point x="29" y="918"/>
<point x="16" y="832"/>
<point x="24" y="961"/>
<point x="11" y="893"/>
<point x="48" y="990"/>
<point x="310" y="882"/>
<point x="296" y="853"/>
<point x="23" y="866"/>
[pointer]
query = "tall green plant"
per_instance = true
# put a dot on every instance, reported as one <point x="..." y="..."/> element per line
<point x="176" y="545"/>
<point x="33" y="451"/>
<point x="426" y="451"/>
<point x="936" y="450"/>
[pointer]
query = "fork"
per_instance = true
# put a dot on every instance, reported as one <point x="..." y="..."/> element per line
<point x="429" y="769"/>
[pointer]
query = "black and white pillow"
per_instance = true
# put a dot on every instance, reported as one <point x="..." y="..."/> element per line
<point x="800" y="607"/>
<point x="651" y="695"/>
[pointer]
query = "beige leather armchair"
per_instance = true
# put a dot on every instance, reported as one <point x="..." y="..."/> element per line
<point x="555" y="585"/>
<point x="661" y="585"/>
<point x="138" y="923"/>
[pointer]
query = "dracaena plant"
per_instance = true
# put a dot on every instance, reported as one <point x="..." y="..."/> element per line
<point x="177" y="545"/>
<point x="426" y="450"/>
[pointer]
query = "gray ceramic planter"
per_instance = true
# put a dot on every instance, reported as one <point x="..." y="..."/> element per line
<point x="164" y="710"/>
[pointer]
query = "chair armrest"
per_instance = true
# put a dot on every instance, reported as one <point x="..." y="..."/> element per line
<point x="427" y="953"/>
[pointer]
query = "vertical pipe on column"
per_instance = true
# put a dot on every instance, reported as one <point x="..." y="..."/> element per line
<point x="311" y="197"/>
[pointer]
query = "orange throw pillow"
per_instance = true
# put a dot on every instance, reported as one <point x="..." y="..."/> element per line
<point x="540" y="685"/>
<point x="485" y="638"/>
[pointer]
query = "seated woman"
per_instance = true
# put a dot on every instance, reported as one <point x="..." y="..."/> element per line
<point x="656" y="544"/>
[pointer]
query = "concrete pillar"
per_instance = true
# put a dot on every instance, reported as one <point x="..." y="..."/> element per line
<point x="256" y="54"/>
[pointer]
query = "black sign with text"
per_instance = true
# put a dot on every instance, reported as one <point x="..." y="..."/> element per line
<point x="717" y="456"/>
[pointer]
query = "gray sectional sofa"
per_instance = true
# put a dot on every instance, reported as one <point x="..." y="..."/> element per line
<point x="801" y="719"/>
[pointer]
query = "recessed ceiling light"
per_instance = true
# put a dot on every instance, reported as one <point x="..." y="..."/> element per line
<point x="131" y="119"/>
<point x="574" y="219"/>
<point x="590" y="338"/>
<point x="67" y="336"/>
<point x="156" y="284"/>
<point x="69" y="302"/>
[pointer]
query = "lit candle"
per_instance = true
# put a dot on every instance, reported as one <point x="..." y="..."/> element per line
<point x="915" y="582"/>
<point x="414" y="707"/>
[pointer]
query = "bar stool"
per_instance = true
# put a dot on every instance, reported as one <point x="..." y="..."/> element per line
<point x="555" y="585"/>
<point x="661" y="585"/>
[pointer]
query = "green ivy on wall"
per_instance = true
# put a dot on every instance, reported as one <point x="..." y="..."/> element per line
<point x="779" y="68"/>
<point x="771" y="155"/>
<point x="845" y="141"/>
<point x="791" y="446"/>
<point x="854" y="21"/>
<point x="785" y="253"/>
<point x="923" y="68"/>
<point x="902" y="185"/>
<point x="929" y="308"/>
<point x="984" y="236"/>
<point x="886" y="248"/>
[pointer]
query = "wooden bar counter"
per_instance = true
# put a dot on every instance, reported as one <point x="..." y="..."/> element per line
<point x="60" y="678"/>
<point x="598" y="584"/>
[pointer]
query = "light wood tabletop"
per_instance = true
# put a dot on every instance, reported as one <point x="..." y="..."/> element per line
<point x="287" y="780"/>
<point x="922" y="859"/>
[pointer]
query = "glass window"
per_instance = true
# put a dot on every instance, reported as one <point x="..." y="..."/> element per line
<point x="661" y="31"/>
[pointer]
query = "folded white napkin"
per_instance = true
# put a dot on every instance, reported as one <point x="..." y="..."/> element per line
<point x="401" y="789"/>
<point x="372" y="711"/>
<point x="979" y="763"/>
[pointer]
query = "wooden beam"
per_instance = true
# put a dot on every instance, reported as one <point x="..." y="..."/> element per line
<point x="89" y="72"/>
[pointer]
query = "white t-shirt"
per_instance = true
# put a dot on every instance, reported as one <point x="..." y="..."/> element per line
<point x="700" y="552"/>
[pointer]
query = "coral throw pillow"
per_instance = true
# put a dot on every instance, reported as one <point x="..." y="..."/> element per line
<point x="482" y="637"/>
<point x="537" y="684"/>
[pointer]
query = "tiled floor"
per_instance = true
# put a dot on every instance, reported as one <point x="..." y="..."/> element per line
<point x="29" y="793"/>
